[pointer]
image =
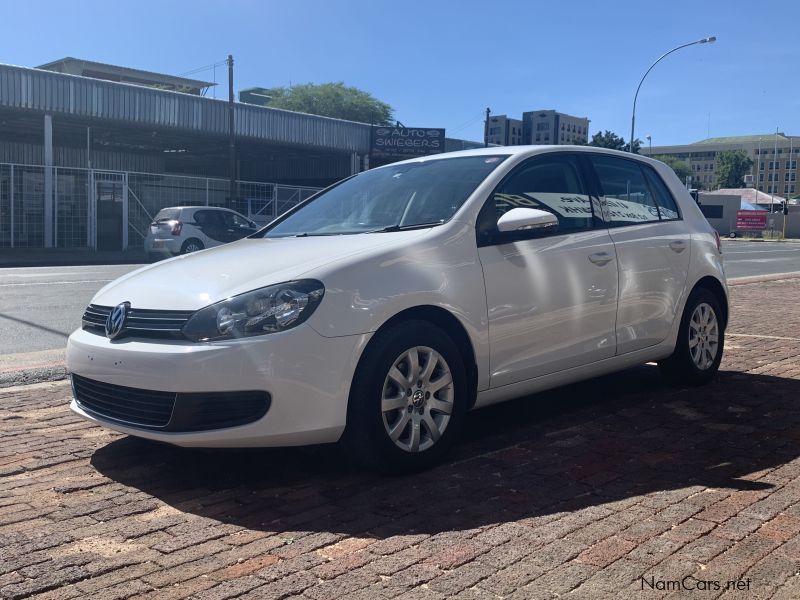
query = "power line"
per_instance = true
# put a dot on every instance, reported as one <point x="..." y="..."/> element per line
<point x="466" y="124"/>
<point x="205" y="68"/>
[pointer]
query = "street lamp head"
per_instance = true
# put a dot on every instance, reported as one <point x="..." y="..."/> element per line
<point x="709" y="40"/>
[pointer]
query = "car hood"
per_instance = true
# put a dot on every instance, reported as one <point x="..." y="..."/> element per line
<point x="196" y="280"/>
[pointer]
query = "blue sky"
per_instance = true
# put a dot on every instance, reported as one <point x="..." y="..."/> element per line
<point x="440" y="64"/>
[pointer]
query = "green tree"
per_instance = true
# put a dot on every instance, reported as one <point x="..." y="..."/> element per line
<point x="730" y="168"/>
<point x="609" y="139"/>
<point x="330" y="100"/>
<point x="681" y="168"/>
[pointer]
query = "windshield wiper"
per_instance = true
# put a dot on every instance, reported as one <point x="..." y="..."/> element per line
<point x="391" y="228"/>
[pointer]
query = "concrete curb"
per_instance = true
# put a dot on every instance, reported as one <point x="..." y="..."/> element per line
<point x="763" y="278"/>
<point x="55" y="372"/>
<point x="739" y="239"/>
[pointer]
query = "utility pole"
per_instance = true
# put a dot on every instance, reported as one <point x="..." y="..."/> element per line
<point x="232" y="199"/>
<point x="486" y="128"/>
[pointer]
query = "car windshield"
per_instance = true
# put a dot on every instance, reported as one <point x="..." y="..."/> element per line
<point x="409" y="195"/>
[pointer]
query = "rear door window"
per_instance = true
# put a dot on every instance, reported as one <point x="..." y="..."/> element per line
<point x="628" y="198"/>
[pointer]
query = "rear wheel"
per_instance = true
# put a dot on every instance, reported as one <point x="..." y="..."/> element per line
<point x="701" y="338"/>
<point x="191" y="245"/>
<point x="408" y="399"/>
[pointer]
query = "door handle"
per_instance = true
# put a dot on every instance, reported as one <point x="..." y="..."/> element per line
<point x="677" y="246"/>
<point x="600" y="258"/>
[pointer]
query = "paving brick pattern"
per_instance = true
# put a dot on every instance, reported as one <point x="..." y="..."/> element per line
<point x="615" y="488"/>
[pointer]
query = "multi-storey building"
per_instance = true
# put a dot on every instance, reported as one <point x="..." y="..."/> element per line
<point x="553" y="127"/>
<point x="774" y="156"/>
<point x="505" y="131"/>
<point x="538" y="127"/>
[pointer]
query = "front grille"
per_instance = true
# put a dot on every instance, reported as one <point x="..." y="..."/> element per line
<point x="141" y="322"/>
<point x="169" y="411"/>
<point x="143" y="408"/>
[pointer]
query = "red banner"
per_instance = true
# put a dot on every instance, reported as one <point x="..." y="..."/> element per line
<point x="751" y="220"/>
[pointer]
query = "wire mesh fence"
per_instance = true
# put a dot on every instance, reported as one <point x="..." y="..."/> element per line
<point x="91" y="205"/>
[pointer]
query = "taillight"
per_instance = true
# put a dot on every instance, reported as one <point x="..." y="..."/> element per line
<point x="719" y="242"/>
<point x="177" y="226"/>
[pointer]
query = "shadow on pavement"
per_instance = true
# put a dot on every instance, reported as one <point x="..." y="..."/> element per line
<point x="584" y="445"/>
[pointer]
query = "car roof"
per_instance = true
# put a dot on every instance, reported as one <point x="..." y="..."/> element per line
<point x="201" y="207"/>
<point x="525" y="151"/>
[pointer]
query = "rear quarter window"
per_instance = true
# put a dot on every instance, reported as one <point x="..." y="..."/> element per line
<point x="667" y="207"/>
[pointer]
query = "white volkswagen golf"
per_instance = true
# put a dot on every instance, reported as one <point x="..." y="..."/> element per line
<point x="385" y="307"/>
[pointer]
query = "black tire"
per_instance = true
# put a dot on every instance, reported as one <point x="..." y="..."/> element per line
<point x="732" y="234"/>
<point x="366" y="437"/>
<point x="680" y="368"/>
<point x="191" y="245"/>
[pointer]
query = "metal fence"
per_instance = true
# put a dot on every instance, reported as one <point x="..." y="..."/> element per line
<point x="91" y="208"/>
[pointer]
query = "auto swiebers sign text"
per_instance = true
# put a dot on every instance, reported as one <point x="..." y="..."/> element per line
<point x="406" y="142"/>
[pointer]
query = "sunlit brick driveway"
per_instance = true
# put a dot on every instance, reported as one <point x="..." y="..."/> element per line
<point x="620" y="487"/>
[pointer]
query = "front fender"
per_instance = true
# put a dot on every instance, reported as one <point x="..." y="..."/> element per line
<point x="441" y="269"/>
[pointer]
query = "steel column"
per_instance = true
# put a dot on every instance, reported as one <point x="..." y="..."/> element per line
<point x="48" y="181"/>
<point x="11" y="195"/>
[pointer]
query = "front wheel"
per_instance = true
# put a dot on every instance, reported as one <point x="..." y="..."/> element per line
<point x="701" y="338"/>
<point x="408" y="399"/>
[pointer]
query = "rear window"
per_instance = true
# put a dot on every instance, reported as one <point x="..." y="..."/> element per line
<point x="167" y="214"/>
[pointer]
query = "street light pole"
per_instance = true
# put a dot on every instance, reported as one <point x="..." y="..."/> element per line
<point x="706" y="40"/>
<point x="232" y="199"/>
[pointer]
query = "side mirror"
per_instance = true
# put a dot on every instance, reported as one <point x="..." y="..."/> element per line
<point x="520" y="219"/>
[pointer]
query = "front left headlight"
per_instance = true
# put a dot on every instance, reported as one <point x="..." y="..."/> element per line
<point x="265" y="310"/>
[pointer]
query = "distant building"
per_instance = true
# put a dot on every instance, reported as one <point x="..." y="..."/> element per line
<point x="771" y="173"/>
<point x="97" y="70"/>
<point x="538" y="127"/>
<point x="505" y="131"/>
<point x="553" y="127"/>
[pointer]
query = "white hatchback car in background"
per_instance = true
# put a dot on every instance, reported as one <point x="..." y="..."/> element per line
<point x="385" y="307"/>
<point x="184" y="229"/>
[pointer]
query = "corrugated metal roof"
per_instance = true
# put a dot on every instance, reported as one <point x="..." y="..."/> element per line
<point x="58" y="93"/>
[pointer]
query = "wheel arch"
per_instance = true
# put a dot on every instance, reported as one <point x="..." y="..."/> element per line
<point x="713" y="285"/>
<point x="190" y="239"/>
<point x="451" y="325"/>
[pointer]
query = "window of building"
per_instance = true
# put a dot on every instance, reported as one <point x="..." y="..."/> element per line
<point x="538" y="137"/>
<point x="542" y="126"/>
<point x="761" y="177"/>
<point x="546" y="137"/>
<point x="761" y="166"/>
<point x="628" y="197"/>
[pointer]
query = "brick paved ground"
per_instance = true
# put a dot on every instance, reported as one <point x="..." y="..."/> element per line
<point x="583" y="490"/>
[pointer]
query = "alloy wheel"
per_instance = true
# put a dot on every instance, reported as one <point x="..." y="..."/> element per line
<point x="703" y="336"/>
<point x="417" y="399"/>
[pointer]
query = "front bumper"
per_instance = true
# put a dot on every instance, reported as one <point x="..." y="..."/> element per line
<point x="307" y="376"/>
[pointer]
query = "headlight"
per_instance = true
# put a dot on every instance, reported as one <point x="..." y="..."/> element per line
<point x="265" y="310"/>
